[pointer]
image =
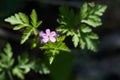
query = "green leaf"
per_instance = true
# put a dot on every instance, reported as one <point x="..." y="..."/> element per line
<point x="33" y="17"/>
<point x="61" y="38"/>
<point x="18" y="27"/>
<point x="26" y="35"/>
<point x="23" y="67"/>
<point x="85" y="29"/>
<point x="82" y="43"/>
<point x="93" y="36"/>
<point x="24" y="17"/>
<point x="62" y="29"/>
<point x="14" y="20"/>
<point x="91" y="44"/>
<point x="44" y="69"/>
<point x="83" y="11"/>
<point x="23" y="59"/>
<point x="78" y="26"/>
<point x="52" y="49"/>
<point x="18" y="72"/>
<point x="66" y="16"/>
<point x="6" y="58"/>
<point x="101" y="9"/>
<point x="21" y="21"/>
<point x="91" y="22"/>
<point x="75" y="40"/>
<point x="91" y="14"/>
<point x="59" y="46"/>
<point x="41" y="68"/>
<point x="8" y="50"/>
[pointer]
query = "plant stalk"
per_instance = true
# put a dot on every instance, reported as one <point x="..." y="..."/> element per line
<point x="10" y="75"/>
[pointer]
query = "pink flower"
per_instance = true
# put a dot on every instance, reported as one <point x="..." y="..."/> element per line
<point x="48" y="36"/>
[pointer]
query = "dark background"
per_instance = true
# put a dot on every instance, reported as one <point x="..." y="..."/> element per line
<point x="103" y="65"/>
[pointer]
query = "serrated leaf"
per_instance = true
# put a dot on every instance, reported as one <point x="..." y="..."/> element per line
<point x="61" y="22"/>
<point x="91" y="22"/>
<point x="82" y="43"/>
<point x="61" y="38"/>
<point x="14" y="19"/>
<point x="21" y="20"/>
<point x="80" y="24"/>
<point x="23" y="67"/>
<point x="66" y="16"/>
<point x="26" y="35"/>
<point x="101" y="9"/>
<point x="75" y="40"/>
<point x="65" y="11"/>
<point x="85" y="29"/>
<point x="41" y="68"/>
<point x="6" y="58"/>
<point x="51" y="49"/>
<point x="60" y="46"/>
<point x="62" y="29"/>
<point x="33" y="17"/>
<point x="94" y="18"/>
<point x="24" y="17"/>
<point x="8" y="50"/>
<point x="91" y="45"/>
<point x="18" y="72"/>
<point x="19" y="27"/>
<point x="93" y="12"/>
<point x="93" y="36"/>
<point x="44" y="69"/>
<point x="83" y="11"/>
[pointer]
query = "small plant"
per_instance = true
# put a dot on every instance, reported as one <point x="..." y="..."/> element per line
<point x="77" y="25"/>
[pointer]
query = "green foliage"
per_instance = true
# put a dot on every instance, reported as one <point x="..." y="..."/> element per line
<point x="51" y="49"/>
<point x="79" y="25"/>
<point x="41" y="67"/>
<point x="6" y="60"/>
<point x="21" y="21"/>
<point x="23" y="67"/>
<point x="90" y="14"/>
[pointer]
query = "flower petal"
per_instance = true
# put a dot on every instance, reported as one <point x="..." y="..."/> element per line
<point x="44" y="35"/>
<point x="47" y="32"/>
<point x="41" y="33"/>
<point x="52" y="39"/>
<point x="45" y="40"/>
<point x="53" y="33"/>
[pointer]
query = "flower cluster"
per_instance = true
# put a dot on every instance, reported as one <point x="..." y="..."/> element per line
<point x="48" y="36"/>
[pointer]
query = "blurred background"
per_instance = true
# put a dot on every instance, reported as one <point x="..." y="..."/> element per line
<point x="103" y="65"/>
